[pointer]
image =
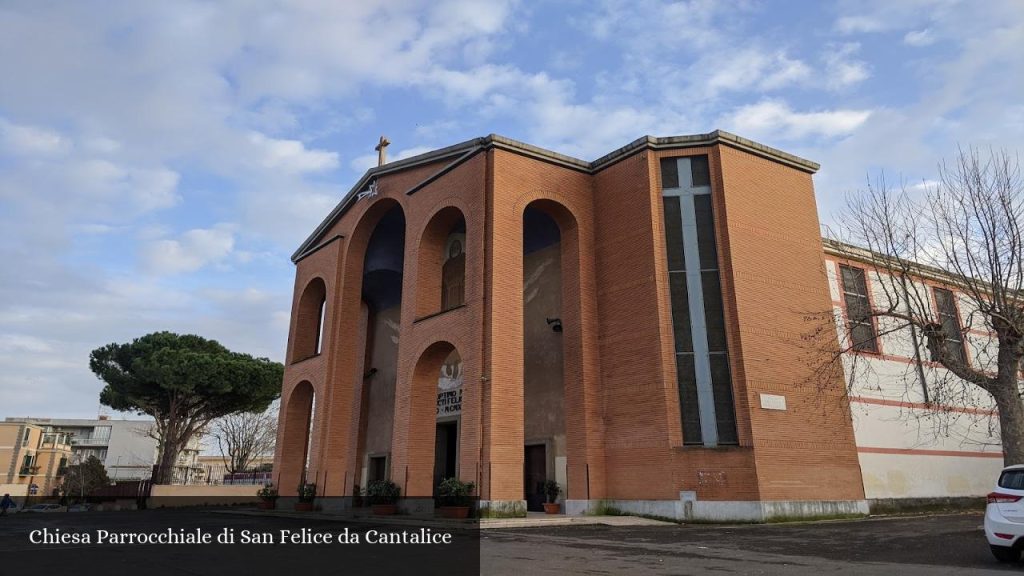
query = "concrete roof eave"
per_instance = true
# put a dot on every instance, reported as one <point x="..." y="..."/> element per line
<point x="463" y="150"/>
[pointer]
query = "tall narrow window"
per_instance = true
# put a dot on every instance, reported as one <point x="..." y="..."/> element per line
<point x="698" y="320"/>
<point x="858" y="310"/>
<point x="950" y="320"/>
<point x="320" y="326"/>
<point x="453" y="273"/>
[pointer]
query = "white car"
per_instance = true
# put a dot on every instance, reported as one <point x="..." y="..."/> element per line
<point x="1004" y="515"/>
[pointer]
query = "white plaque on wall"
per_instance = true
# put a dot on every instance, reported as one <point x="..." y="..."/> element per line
<point x="773" y="402"/>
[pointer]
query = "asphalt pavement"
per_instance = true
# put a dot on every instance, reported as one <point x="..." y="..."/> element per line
<point x="945" y="544"/>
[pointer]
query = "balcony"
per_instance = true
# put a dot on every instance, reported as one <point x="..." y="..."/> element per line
<point x="90" y="441"/>
<point x="55" y="440"/>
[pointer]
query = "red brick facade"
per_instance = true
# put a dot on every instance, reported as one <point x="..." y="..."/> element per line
<point x="624" y="440"/>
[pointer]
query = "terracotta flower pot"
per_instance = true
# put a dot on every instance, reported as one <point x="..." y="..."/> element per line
<point x="267" y="504"/>
<point x="455" y="512"/>
<point x="552" y="507"/>
<point x="303" y="506"/>
<point x="385" y="509"/>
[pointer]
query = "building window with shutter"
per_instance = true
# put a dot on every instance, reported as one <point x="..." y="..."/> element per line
<point x="858" y="310"/>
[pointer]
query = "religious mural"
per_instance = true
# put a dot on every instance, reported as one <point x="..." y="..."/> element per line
<point x="449" y="386"/>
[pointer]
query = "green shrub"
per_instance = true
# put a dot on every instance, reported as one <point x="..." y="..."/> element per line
<point x="383" y="492"/>
<point x="454" y="492"/>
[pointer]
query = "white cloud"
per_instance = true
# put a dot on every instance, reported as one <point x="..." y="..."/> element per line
<point x="658" y="22"/>
<point x="363" y="163"/>
<point x="749" y="68"/>
<point x="919" y="38"/>
<point x="772" y="118"/>
<point x="841" y="68"/>
<point x="193" y="250"/>
<point x="291" y="155"/>
<point x="859" y="24"/>
<point x="26" y="140"/>
<point x="20" y="343"/>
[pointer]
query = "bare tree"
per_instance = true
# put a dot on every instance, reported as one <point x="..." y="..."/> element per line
<point x="244" y="437"/>
<point x="964" y="232"/>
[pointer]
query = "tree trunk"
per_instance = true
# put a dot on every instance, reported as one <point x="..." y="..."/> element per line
<point x="1011" y="426"/>
<point x="168" y="459"/>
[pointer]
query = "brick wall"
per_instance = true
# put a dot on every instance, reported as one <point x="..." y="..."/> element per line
<point x="623" y="432"/>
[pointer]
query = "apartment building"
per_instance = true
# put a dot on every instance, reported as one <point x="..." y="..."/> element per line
<point x="127" y="448"/>
<point x="33" y="458"/>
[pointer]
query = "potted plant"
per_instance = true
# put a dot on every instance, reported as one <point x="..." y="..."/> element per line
<point x="307" y="493"/>
<point x="454" y="497"/>
<point x="551" y="490"/>
<point x="268" y="496"/>
<point x="383" y="496"/>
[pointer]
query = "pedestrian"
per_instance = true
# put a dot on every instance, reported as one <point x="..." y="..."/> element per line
<point x="6" y="503"/>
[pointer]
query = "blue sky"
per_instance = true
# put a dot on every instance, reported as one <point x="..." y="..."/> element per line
<point x="159" y="162"/>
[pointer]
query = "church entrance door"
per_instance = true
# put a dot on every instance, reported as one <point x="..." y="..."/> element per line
<point x="534" y="475"/>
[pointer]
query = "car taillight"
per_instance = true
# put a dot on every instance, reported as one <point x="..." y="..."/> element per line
<point x="999" y="498"/>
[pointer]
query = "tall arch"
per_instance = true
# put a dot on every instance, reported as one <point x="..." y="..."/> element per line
<point x="418" y="465"/>
<point x="376" y="271"/>
<point x="550" y="328"/>
<point x="295" y="438"/>
<point x="309" y="321"/>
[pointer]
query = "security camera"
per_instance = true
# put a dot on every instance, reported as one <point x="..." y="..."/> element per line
<point x="555" y="323"/>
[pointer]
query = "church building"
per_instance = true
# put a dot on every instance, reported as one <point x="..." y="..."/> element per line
<point x="630" y="327"/>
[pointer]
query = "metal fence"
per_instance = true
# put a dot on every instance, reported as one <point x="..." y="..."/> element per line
<point x="215" y="475"/>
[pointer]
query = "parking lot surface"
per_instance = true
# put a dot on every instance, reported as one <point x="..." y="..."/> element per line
<point x="947" y="544"/>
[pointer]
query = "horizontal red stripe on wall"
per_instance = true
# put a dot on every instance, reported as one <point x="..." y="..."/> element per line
<point x="920" y="452"/>
<point x="920" y="406"/>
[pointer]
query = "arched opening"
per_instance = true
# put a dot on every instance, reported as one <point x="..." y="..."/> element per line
<point x="448" y="419"/>
<point x="309" y="323"/>
<point x="441" y="279"/>
<point x="298" y="426"/>
<point x="543" y="353"/>
<point x="435" y="414"/>
<point x="381" y="311"/>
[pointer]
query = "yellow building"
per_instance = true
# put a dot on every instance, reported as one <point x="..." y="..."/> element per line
<point x="31" y="454"/>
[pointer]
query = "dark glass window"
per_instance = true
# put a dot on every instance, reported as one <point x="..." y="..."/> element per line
<point x="721" y="384"/>
<point x="669" y="173"/>
<point x="703" y="261"/>
<point x="673" y="233"/>
<point x="700" y="174"/>
<point x="858" y="309"/>
<point x="688" y="399"/>
<point x="1012" y="479"/>
<point x="705" y="232"/>
<point x="680" y="312"/>
<point x="950" y="321"/>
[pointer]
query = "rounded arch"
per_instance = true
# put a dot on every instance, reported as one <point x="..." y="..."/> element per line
<point x="557" y="211"/>
<point x="441" y="264"/>
<point x="418" y="470"/>
<point x="309" y="320"/>
<point x="370" y="305"/>
<point x="552" y="356"/>
<point x="359" y="238"/>
<point x="296" y="423"/>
